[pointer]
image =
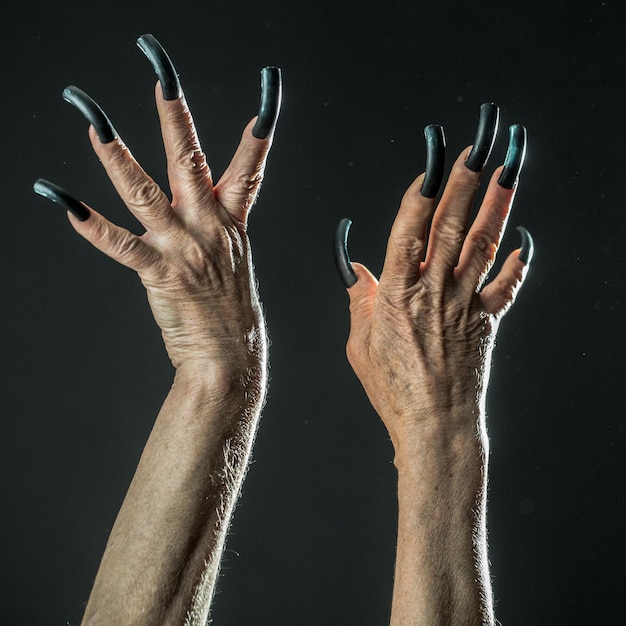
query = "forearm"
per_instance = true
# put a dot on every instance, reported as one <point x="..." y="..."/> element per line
<point x="442" y="572"/>
<point x="162" y="559"/>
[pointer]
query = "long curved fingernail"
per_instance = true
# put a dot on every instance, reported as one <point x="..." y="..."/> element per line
<point x="163" y="66"/>
<point x="515" y="154"/>
<point x="92" y="111"/>
<point x="435" y="160"/>
<point x="485" y="137"/>
<point x="528" y="247"/>
<point x="342" y="259"/>
<point x="271" y="97"/>
<point x="57" y="194"/>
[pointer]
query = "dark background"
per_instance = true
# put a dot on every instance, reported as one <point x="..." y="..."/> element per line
<point x="84" y="371"/>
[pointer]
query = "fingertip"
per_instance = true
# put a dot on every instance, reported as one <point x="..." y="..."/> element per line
<point x="269" y="107"/>
<point x="360" y="272"/>
<point x="342" y="258"/>
<point x="435" y="160"/>
<point x="485" y="137"/>
<point x="60" y="196"/>
<point x="162" y="66"/>
<point x="92" y="112"/>
<point x="527" y="250"/>
<point x="515" y="156"/>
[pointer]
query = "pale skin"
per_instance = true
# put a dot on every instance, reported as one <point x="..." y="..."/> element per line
<point x="162" y="558"/>
<point x="420" y="342"/>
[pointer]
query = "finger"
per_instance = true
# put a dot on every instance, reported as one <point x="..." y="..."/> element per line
<point x="143" y="197"/>
<point x="498" y="296"/>
<point x="450" y="223"/>
<point x="239" y="186"/>
<point x="485" y="137"/>
<point x="407" y="241"/>
<point x="481" y="244"/>
<point x="141" y="194"/>
<point x="118" y="243"/>
<point x="188" y="172"/>
<point x="482" y="240"/>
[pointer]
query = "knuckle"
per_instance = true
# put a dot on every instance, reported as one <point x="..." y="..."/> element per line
<point x="352" y="350"/>
<point x="143" y="193"/>
<point x="100" y="233"/>
<point x="410" y="247"/>
<point x="190" y="161"/>
<point x="125" y="246"/>
<point x="482" y="244"/>
<point x="503" y="291"/>
<point x="248" y="183"/>
<point x="452" y="231"/>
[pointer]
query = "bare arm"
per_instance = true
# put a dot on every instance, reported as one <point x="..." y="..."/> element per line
<point x="162" y="558"/>
<point x="420" y="342"/>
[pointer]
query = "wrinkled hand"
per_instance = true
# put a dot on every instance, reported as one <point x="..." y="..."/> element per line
<point x="421" y="338"/>
<point x="194" y="257"/>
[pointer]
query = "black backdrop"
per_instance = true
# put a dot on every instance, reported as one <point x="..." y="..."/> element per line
<point x="84" y="371"/>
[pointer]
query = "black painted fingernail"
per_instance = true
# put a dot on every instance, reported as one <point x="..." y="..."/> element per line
<point x="342" y="259"/>
<point x="528" y="247"/>
<point x="57" y="194"/>
<point x="163" y="66"/>
<point x="269" y="108"/>
<point x="515" y="154"/>
<point x="485" y="137"/>
<point x="435" y="160"/>
<point x="92" y="111"/>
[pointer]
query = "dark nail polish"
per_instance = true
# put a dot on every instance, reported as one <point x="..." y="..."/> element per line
<point x="435" y="160"/>
<point x="269" y="108"/>
<point x="60" y="196"/>
<point x="163" y="66"/>
<point x="92" y="111"/>
<point x="515" y="155"/>
<point x="342" y="259"/>
<point x="485" y="137"/>
<point x="528" y="247"/>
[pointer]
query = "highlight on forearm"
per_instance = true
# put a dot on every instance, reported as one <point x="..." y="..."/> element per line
<point x="485" y="137"/>
<point x="162" y="65"/>
<point x="271" y="98"/>
<point x="435" y="160"/>
<point x="92" y="112"/>
<point x="342" y="258"/>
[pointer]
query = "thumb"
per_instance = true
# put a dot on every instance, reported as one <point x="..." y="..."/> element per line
<point x="357" y="279"/>
<point x="498" y="296"/>
<point x="361" y="295"/>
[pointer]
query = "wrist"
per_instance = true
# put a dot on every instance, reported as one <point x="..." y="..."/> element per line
<point x="233" y="387"/>
<point x="445" y="441"/>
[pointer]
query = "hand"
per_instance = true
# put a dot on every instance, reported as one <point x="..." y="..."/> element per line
<point x="421" y="338"/>
<point x="194" y="256"/>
